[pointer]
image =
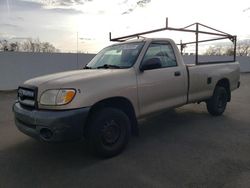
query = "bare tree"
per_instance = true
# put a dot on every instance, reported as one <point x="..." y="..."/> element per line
<point x="29" y="45"/>
<point x="47" y="47"/>
<point x="215" y="50"/>
<point x="25" y="46"/>
<point x="1" y="46"/>
<point x="14" y="46"/>
<point x="242" y="49"/>
<point x="229" y="51"/>
<point x="4" y="46"/>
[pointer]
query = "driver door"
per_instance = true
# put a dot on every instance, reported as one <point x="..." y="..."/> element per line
<point x="163" y="87"/>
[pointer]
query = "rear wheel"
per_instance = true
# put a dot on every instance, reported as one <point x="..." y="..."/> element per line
<point x="108" y="132"/>
<point x="216" y="105"/>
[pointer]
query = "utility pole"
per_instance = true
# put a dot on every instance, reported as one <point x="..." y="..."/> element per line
<point x="77" y="50"/>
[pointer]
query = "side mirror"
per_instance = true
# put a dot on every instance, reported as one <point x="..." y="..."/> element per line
<point x="152" y="63"/>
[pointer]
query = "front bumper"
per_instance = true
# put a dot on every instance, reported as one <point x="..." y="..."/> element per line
<point x="51" y="125"/>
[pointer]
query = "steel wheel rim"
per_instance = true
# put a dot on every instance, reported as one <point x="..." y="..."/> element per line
<point x="222" y="101"/>
<point x="111" y="132"/>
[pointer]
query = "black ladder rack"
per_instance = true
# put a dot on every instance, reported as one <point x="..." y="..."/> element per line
<point x="219" y="34"/>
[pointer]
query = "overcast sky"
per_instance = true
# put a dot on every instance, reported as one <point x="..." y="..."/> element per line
<point x="59" y="21"/>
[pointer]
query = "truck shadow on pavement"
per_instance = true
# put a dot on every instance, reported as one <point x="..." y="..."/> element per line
<point x="178" y="141"/>
<point x="161" y="126"/>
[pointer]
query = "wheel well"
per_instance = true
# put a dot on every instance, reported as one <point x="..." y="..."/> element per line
<point x="116" y="102"/>
<point x="225" y="83"/>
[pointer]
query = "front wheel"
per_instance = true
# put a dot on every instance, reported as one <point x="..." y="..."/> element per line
<point x="216" y="105"/>
<point x="108" y="132"/>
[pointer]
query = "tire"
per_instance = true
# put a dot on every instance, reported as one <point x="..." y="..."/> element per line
<point x="108" y="132"/>
<point x="216" y="105"/>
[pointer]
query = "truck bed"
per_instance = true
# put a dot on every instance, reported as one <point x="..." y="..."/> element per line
<point x="202" y="79"/>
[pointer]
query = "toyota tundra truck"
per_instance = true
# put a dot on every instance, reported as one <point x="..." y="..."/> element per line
<point x="122" y="84"/>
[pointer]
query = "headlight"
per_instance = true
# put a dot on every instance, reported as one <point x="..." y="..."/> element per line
<point x="57" y="96"/>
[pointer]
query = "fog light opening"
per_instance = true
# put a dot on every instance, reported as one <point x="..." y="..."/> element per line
<point x="46" y="134"/>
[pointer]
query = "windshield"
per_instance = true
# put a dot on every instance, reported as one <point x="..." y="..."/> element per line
<point x="117" y="56"/>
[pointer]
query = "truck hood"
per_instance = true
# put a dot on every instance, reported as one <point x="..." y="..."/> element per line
<point x="62" y="78"/>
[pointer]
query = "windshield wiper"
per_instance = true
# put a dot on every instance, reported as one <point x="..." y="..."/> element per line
<point x="107" y="66"/>
<point x="86" y="67"/>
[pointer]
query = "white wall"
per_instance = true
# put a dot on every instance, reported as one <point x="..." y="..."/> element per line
<point x="243" y="60"/>
<point x="16" y="67"/>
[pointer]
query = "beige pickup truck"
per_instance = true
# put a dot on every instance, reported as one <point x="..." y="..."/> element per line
<point x="120" y="85"/>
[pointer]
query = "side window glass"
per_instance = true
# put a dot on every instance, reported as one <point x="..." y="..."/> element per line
<point x="164" y="52"/>
<point x="168" y="55"/>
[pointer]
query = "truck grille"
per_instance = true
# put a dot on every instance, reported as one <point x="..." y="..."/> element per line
<point x="27" y="96"/>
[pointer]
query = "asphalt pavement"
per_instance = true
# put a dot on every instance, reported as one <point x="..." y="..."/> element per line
<point x="185" y="147"/>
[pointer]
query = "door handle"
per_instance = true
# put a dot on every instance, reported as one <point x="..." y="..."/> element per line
<point x="177" y="73"/>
